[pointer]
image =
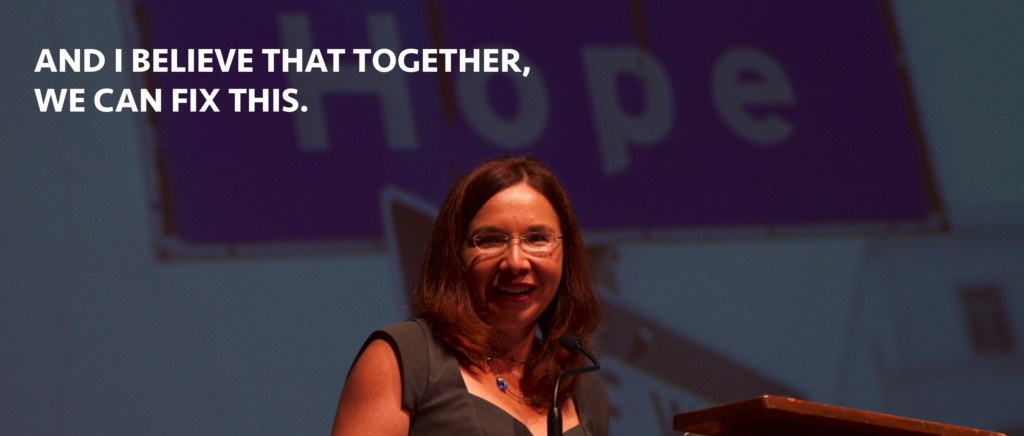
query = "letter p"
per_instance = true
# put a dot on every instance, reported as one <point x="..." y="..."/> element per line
<point x="614" y="127"/>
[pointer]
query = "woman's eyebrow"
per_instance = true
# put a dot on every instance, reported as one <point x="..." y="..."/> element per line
<point x="487" y="229"/>
<point x="496" y="229"/>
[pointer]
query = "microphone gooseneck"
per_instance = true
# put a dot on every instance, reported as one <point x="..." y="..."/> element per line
<point x="572" y="343"/>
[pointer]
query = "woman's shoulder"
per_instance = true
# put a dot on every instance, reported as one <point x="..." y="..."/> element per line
<point x="406" y="338"/>
<point x="592" y="403"/>
<point x="414" y="328"/>
<point x="592" y="389"/>
<point x="414" y="349"/>
<point x="372" y="398"/>
<point x="409" y="339"/>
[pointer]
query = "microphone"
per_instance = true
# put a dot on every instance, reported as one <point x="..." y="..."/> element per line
<point x="571" y="343"/>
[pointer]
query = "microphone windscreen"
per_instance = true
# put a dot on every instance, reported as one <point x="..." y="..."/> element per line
<point x="568" y="341"/>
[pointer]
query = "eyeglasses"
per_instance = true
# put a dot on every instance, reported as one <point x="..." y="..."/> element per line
<point x="530" y="243"/>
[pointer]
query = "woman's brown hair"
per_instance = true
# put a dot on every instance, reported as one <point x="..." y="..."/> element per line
<point x="442" y="294"/>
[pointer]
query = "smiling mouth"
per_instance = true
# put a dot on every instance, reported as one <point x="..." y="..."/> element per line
<point x="513" y="291"/>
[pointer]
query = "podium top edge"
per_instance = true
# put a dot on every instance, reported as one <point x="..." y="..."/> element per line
<point x="712" y="421"/>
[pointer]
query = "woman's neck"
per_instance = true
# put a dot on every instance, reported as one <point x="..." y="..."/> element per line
<point x="516" y="345"/>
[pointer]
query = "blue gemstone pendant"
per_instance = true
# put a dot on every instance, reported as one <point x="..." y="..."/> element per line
<point x="501" y="383"/>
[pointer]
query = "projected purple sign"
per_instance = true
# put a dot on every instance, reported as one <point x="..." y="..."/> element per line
<point x="680" y="115"/>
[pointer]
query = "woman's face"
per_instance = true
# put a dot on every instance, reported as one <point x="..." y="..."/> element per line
<point x="515" y="286"/>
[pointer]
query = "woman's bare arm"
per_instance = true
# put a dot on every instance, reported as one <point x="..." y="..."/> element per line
<point x="371" y="401"/>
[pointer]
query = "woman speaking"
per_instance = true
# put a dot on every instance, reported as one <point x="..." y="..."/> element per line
<point x="504" y="276"/>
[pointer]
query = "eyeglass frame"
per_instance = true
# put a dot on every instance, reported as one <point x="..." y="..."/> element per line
<point x="508" y="242"/>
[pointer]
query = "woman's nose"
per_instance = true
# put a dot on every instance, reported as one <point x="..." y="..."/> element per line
<point x="515" y="258"/>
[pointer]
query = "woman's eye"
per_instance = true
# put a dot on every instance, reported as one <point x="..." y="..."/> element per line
<point x="537" y="238"/>
<point x="489" y="240"/>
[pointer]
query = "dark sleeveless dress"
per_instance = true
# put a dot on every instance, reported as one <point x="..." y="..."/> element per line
<point x="433" y="389"/>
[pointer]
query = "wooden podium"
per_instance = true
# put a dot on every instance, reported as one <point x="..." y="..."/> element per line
<point x="769" y="415"/>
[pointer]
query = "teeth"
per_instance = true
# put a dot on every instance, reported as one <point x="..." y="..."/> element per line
<point x="515" y="289"/>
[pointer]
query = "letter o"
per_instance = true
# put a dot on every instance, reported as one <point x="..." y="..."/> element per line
<point x="376" y="60"/>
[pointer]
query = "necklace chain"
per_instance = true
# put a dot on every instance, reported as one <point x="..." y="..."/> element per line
<point x="512" y="361"/>
<point x="503" y="384"/>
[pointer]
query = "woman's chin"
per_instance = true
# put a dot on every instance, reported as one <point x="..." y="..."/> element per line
<point x="506" y="318"/>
